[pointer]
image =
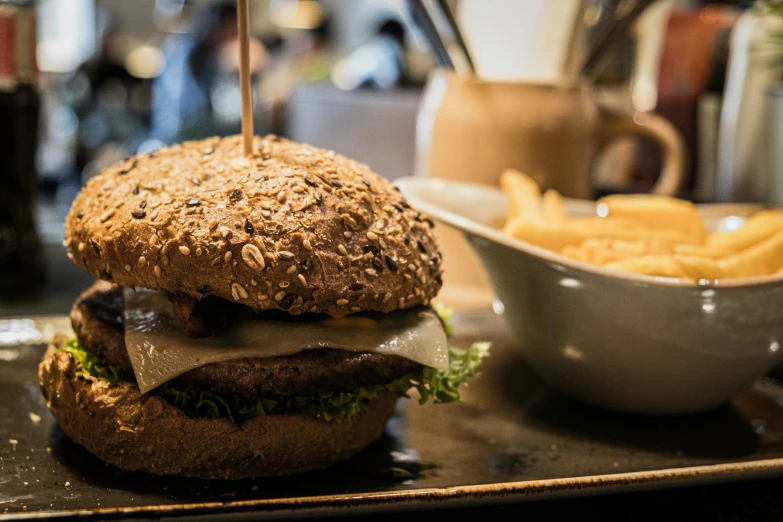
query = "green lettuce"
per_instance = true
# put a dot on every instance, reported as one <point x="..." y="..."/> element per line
<point x="441" y="386"/>
<point x="93" y="365"/>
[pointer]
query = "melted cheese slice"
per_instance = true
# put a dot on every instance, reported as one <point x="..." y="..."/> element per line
<point x="159" y="351"/>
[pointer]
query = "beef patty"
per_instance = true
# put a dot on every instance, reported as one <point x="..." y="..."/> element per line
<point x="97" y="320"/>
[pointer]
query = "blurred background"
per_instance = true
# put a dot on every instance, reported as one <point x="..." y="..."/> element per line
<point x="114" y="78"/>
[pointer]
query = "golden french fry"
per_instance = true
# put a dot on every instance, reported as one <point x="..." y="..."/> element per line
<point x="761" y="259"/>
<point x="523" y="194"/>
<point x="698" y="268"/>
<point x="758" y="227"/>
<point x="553" y="207"/>
<point x="576" y="253"/>
<point x="664" y="266"/>
<point x="573" y="232"/>
<point x="658" y="213"/>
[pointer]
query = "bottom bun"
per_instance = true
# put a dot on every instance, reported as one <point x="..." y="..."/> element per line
<point x="138" y="432"/>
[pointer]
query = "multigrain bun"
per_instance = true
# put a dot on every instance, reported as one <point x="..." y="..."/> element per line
<point x="293" y="227"/>
<point x="141" y="432"/>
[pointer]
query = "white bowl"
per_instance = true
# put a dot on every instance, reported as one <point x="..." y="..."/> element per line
<point x="623" y="341"/>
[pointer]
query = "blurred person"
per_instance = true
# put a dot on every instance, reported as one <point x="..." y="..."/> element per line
<point x="197" y="95"/>
<point x="379" y="63"/>
<point x="111" y="107"/>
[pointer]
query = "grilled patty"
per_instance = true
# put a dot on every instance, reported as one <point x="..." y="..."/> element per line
<point x="97" y="320"/>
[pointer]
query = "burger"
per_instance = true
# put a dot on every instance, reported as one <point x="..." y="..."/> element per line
<point x="254" y="316"/>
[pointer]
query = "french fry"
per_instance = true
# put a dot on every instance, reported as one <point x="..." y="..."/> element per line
<point x="651" y="235"/>
<point x="658" y="213"/>
<point x="553" y="207"/>
<point x="573" y="232"/>
<point x="698" y="268"/>
<point x="523" y="194"/>
<point x="758" y="227"/>
<point x="664" y="266"/>
<point x="764" y="258"/>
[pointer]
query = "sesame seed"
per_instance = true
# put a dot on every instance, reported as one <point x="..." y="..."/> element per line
<point x="342" y="250"/>
<point x="342" y="302"/>
<point x="370" y="272"/>
<point x="297" y="189"/>
<point x="407" y="277"/>
<point x="156" y="269"/>
<point x="154" y="214"/>
<point x="285" y="254"/>
<point x="411" y="267"/>
<point x="80" y="247"/>
<point x="142" y="261"/>
<point x="310" y="182"/>
<point x="279" y="296"/>
<point x="196" y="181"/>
<point x="185" y="251"/>
<point x="224" y="232"/>
<point x="263" y="297"/>
<point x="238" y="291"/>
<point x="291" y="269"/>
<point x="306" y="244"/>
<point x="193" y="202"/>
<point x="284" y="284"/>
<point x="347" y="234"/>
<point x="212" y="224"/>
<point x="129" y="167"/>
<point x="165" y="260"/>
<point x="386" y="297"/>
<point x="138" y="213"/>
<point x="199" y="251"/>
<point x="372" y="236"/>
<point x="401" y="302"/>
<point x="302" y="279"/>
<point x="227" y="256"/>
<point x="153" y="240"/>
<point x="106" y="215"/>
<point x="240" y="163"/>
<point x="281" y="196"/>
<point x="127" y="268"/>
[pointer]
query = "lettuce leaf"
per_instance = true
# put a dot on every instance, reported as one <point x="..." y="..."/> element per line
<point x="438" y="385"/>
<point x="94" y="366"/>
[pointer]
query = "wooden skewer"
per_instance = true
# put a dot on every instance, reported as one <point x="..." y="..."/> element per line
<point x="243" y="15"/>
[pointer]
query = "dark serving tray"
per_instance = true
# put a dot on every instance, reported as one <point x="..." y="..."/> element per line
<point x="513" y="439"/>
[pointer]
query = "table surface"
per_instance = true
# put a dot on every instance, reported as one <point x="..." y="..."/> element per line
<point x="759" y="499"/>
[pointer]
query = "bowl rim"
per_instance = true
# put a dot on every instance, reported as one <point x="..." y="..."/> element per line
<point x="407" y="186"/>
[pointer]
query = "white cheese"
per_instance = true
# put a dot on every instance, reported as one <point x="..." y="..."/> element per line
<point x="159" y="351"/>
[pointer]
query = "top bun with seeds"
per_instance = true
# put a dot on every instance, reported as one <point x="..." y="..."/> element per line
<point x="292" y="227"/>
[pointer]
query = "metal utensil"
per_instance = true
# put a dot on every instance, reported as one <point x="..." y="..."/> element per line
<point x="460" y="46"/>
<point x="624" y="15"/>
<point x="442" y="31"/>
<point x="422" y="17"/>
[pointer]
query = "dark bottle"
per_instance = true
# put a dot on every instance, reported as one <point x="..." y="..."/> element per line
<point x="21" y="263"/>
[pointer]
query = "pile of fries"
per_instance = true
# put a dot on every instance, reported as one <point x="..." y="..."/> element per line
<point x="644" y="234"/>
